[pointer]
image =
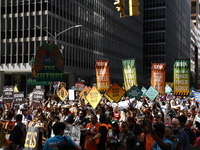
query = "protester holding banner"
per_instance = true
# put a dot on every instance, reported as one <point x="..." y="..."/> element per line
<point x="52" y="143"/>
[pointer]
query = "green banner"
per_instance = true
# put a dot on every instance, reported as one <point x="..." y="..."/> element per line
<point x="129" y="72"/>
<point x="181" y="77"/>
<point x="31" y="82"/>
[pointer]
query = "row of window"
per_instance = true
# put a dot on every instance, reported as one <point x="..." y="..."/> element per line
<point x="154" y="14"/>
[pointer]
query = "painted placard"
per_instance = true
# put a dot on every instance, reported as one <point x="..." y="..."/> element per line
<point x="93" y="97"/>
<point x="18" y="99"/>
<point x="115" y="92"/>
<point x="134" y="92"/>
<point x="151" y="93"/>
<point x="62" y="94"/>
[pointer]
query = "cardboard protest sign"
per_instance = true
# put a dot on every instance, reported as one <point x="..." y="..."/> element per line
<point x="158" y="71"/>
<point x="115" y="92"/>
<point x="38" y="96"/>
<point x="8" y="94"/>
<point x="62" y="93"/>
<point x="82" y="92"/>
<point x="181" y="77"/>
<point x="93" y="97"/>
<point x="79" y="86"/>
<point x="16" y="89"/>
<point x="151" y="93"/>
<point x="32" y="139"/>
<point x="134" y="92"/>
<point x="73" y="132"/>
<point x="110" y="99"/>
<point x="102" y="75"/>
<point x="18" y="99"/>
<point x="129" y="72"/>
<point x="71" y="94"/>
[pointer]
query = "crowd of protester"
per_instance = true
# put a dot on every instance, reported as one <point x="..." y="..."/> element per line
<point x="173" y="124"/>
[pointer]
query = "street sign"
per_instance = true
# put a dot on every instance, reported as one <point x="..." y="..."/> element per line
<point x="144" y="90"/>
<point x="151" y="93"/>
<point x="115" y="92"/>
<point x="168" y="89"/>
<point x="62" y="93"/>
<point x="93" y="97"/>
<point x="134" y="92"/>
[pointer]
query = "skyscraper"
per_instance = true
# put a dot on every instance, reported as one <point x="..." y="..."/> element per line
<point x="166" y="33"/>
<point x="103" y="35"/>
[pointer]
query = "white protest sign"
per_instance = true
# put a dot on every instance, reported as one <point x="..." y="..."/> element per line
<point x="73" y="132"/>
<point x="71" y="94"/>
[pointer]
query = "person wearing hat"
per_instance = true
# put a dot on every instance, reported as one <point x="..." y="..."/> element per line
<point x="24" y="111"/>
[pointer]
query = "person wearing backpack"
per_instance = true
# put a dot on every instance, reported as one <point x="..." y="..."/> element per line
<point x="18" y="134"/>
<point x="59" y="141"/>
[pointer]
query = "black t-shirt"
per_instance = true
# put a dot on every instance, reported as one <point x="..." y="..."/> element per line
<point x="69" y="118"/>
<point x="103" y="139"/>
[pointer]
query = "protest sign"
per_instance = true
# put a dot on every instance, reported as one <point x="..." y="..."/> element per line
<point x="168" y="89"/>
<point x="158" y="71"/>
<point x="93" y="97"/>
<point x="144" y="90"/>
<point x="71" y="94"/>
<point x="129" y="72"/>
<point x="197" y="96"/>
<point x="115" y="92"/>
<point x="8" y="94"/>
<point x="102" y="75"/>
<point x="18" y="99"/>
<point x="73" y="132"/>
<point x="79" y="86"/>
<point x="32" y="139"/>
<point x="38" y="96"/>
<point x="134" y="92"/>
<point x="151" y="93"/>
<point x="62" y="93"/>
<point x="181" y="77"/>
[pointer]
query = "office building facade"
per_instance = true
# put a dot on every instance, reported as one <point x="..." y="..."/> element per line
<point x="166" y="34"/>
<point x="103" y="35"/>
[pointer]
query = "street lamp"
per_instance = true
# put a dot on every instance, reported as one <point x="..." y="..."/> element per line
<point x="56" y="35"/>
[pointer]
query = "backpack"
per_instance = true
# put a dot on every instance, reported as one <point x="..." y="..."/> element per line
<point x="62" y="145"/>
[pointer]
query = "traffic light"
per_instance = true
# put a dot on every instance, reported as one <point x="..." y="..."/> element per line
<point x="120" y="5"/>
<point x="134" y="8"/>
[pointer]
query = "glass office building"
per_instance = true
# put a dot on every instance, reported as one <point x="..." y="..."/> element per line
<point x="166" y="33"/>
<point x="103" y="36"/>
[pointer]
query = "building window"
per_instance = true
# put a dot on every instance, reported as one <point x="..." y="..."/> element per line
<point x="193" y="4"/>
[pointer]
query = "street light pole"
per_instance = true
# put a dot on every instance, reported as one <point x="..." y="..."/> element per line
<point x="56" y="35"/>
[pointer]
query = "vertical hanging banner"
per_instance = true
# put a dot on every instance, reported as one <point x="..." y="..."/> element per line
<point x="102" y="75"/>
<point x="158" y="71"/>
<point x="129" y="72"/>
<point x="182" y="77"/>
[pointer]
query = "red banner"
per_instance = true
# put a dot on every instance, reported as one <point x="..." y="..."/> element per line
<point x="158" y="71"/>
<point x="102" y="75"/>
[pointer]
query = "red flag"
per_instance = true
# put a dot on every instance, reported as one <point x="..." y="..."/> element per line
<point x="6" y="104"/>
<point x="35" y="104"/>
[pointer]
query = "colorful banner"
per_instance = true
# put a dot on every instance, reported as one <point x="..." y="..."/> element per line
<point x="181" y="77"/>
<point x="115" y="92"/>
<point x="158" y="71"/>
<point x="93" y="97"/>
<point x="129" y="72"/>
<point x="102" y="75"/>
<point x="48" y="64"/>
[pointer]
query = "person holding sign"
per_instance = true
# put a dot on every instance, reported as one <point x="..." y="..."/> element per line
<point x="53" y="143"/>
